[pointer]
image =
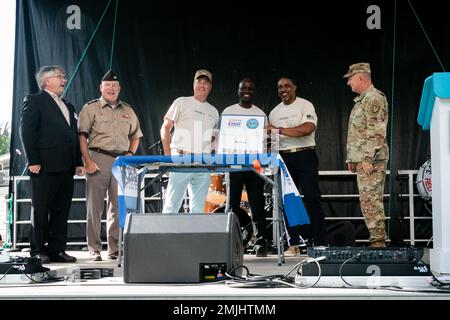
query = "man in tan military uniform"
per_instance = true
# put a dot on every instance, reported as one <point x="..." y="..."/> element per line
<point x="367" y="150"/>
<point x="108" y="127"/>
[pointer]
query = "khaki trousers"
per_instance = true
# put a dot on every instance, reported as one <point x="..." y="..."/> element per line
<point x="99" y="185"/>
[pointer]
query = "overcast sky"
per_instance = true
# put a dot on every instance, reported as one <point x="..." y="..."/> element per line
<point x="7" y="28"/>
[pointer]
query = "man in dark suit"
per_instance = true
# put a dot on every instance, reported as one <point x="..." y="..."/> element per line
<point x="49" y="133"/>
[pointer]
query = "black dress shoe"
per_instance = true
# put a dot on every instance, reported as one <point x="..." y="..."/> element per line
<point x="260" y="251"/>
<point x="247" y="234"/>
<point x="62" y="257"/>
<point x="42" y="258"/>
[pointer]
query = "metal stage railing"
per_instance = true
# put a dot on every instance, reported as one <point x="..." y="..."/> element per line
<point x="410" y="195"/>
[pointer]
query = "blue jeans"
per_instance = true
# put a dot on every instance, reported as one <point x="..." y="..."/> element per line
<point x="197" y="185"/>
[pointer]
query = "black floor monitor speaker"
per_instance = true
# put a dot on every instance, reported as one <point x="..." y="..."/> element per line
<point x="180" y="248"/>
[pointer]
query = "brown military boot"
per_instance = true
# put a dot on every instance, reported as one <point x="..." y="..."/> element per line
<point x="377" y="244"/>
<point x="292" y="251"/>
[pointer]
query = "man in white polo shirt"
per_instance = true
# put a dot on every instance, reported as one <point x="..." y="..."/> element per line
<point x="253" y="183"/>
<point x="194" y="120"/>
<point x="296" y="122"/>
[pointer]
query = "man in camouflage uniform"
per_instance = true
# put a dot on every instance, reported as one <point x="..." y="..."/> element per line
<point x="367" y="150"/>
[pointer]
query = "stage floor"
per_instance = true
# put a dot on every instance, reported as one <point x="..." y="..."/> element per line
<point x="16" y="286"/>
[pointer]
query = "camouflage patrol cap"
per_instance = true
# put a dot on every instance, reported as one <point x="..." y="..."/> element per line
<point x="110" y="76"/>
<point x="362" y="67"/>
<point x="203" y="73"/>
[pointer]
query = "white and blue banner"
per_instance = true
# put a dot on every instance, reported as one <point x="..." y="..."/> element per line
<point x="128" y="189"/>
<point x="125" y="169"/>
<point x="293" y="205"/>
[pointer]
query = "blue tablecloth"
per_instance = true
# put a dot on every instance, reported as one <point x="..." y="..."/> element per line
<point x="125" y="167"/>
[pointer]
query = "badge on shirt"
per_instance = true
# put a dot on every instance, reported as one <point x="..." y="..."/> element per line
<point x="309" y="116"/>
<point x="125" y="116"/>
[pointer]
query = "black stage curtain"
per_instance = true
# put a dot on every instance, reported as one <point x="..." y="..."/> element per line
<point x="159" y="45"/>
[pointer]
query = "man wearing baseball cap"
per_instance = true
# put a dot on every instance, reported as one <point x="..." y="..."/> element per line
<point x="367" y="149"/>
<point x="194" y="120"/>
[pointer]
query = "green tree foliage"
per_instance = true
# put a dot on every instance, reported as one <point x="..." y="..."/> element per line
<point x="5" y="138"/>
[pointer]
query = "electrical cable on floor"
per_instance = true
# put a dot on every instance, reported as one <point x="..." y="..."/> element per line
<point x="299" y="266"/>
<point x="438" y="283"/>
<point x="6" y="273"/>
<point x="272" y="281"/>
<point x="392" y="288"/>
<point x="49" y="277"/>
<point x="255" y="281"/>
<point x="250" y="280"/>
<point x="359" y="286"/>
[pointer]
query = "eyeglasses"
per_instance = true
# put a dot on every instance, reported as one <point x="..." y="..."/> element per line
<point x="60" y="76"/>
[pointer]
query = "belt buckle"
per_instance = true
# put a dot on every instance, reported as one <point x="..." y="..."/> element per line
<point x="294" y="150"/>
<point x="182" y="152"/>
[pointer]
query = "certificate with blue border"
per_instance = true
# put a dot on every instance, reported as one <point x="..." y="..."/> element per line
<point x="241" y="134"/>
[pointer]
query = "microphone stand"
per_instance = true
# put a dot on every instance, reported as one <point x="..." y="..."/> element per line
<point x="156" y="144"/>
<point x="12" y="185"/>
<point x="160" y="152"/>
